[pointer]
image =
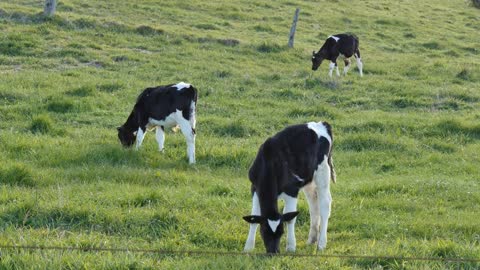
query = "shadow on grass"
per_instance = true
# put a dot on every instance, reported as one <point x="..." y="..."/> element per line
<point x="82" y="23"/>
<point x="105" y="155"/>
<point x="312" y="83"/>
<point x="82" y="219"/>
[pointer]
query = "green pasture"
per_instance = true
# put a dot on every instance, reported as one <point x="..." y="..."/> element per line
<point x="407" y="134"/>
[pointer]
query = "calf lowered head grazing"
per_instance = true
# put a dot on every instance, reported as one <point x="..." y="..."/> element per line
<point x="341" y="45"/>
<point x="159" y="108"/>
<point x="298" y="157"/>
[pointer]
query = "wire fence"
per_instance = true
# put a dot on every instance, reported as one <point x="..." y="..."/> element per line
<point x="201" y="253"/>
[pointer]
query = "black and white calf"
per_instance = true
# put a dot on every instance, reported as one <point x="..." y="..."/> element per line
<point x="343" y="45"/>
<point x="298" y="157"/>
<point x="162" y="107"/>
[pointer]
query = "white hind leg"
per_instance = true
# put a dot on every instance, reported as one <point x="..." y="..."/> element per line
<point x="189" y="134"/>
<point x="322" y="180"/>
<point x="359" y="64"/>
<point x="310" y="191"/>
<point x="250" y="243"/>
<point x="160" y="136"/>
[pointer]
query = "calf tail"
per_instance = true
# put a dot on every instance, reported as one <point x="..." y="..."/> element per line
<point x="333" y="175"/>
<point x="357" y="53"/>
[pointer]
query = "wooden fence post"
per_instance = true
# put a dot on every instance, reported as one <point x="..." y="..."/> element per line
<point x="293" y="29"/>
<point x="50" y="6"/>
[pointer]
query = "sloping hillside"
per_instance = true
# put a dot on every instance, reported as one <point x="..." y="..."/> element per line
<point x="407" y="134"/>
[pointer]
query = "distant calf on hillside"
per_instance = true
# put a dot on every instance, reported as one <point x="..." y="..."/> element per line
<point x="343" y="45"/>
<point x="162" y="107"/>
<point x="298" y="157"/>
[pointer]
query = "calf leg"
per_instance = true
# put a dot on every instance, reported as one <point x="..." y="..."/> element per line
<point x="189" y="134"/>
<point x="250" y="244"/>
<point x="140" y="136"/>
<point x="322" y="180"/>
<point x="347" y="66"/>
<point x="160" y="136"/>
<point x="310" y="191"/>
<point x="359" y="62"/>
<point x="331" y="66"/>
<point x="290" y="206"/>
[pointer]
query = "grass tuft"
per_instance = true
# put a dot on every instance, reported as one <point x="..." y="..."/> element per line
<point x="266" y="47"/>
<point x="110" y="87"/>
<point x="82" y="91"/>
<point x="42" y="124"/>
<point x="61" y="106"/>
<point x="145" y="30"/>
<point x="17" y="175"/>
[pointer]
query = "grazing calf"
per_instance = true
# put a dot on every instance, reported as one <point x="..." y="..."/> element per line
<point x="344" y="45"/>
<point x="162" y="107"/>
<point x="298" y="157"/>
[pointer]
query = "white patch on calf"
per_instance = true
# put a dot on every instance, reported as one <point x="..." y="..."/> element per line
<point x="273" y="224"/>
<point x="320" y="129"/>
<point x="182" y="85"/>
<point x="335" y="38"/>
<point x="169" y="121"/>
<point x="298" y="177"/>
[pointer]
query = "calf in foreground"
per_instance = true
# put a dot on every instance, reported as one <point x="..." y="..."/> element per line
<point x="159" y="108"/>
<point x="343" y="45"/>
<point x="298" y="157"/>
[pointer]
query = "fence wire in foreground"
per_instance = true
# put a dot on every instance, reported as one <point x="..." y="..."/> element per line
<point x="201" y="253"/>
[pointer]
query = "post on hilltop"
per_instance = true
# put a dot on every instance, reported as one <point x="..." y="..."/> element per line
<point x="293" y="29"/>
<point x="50" y="6"/>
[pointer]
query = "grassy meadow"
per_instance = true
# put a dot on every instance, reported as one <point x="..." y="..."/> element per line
<point x="407" y="134"/>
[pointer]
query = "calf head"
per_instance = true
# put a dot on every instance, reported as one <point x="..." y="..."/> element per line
<point x="271" y="229"/>
<point x="126" y="138"/>
<point x="317" y="59"/>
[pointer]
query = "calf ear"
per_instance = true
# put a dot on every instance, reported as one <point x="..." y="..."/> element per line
<point x="253" y="219"/>
<point x="289" y="216"/>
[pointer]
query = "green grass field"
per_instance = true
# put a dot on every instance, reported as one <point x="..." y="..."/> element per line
<point x="407" y="134"/>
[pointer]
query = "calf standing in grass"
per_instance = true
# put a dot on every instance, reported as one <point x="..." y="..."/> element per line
<point x="298" y="157"/>
<point x="343" y="45"/>
<point x="162" y="107"/>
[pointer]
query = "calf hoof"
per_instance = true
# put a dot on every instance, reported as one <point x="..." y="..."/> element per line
<point x="321" y="246"/>
<point x="247" y="249"/>
<point x="291" y="248"/>
<point x="311" y="240"/>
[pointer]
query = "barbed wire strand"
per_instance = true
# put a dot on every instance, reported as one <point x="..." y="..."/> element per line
<point x="233" y="253"/>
